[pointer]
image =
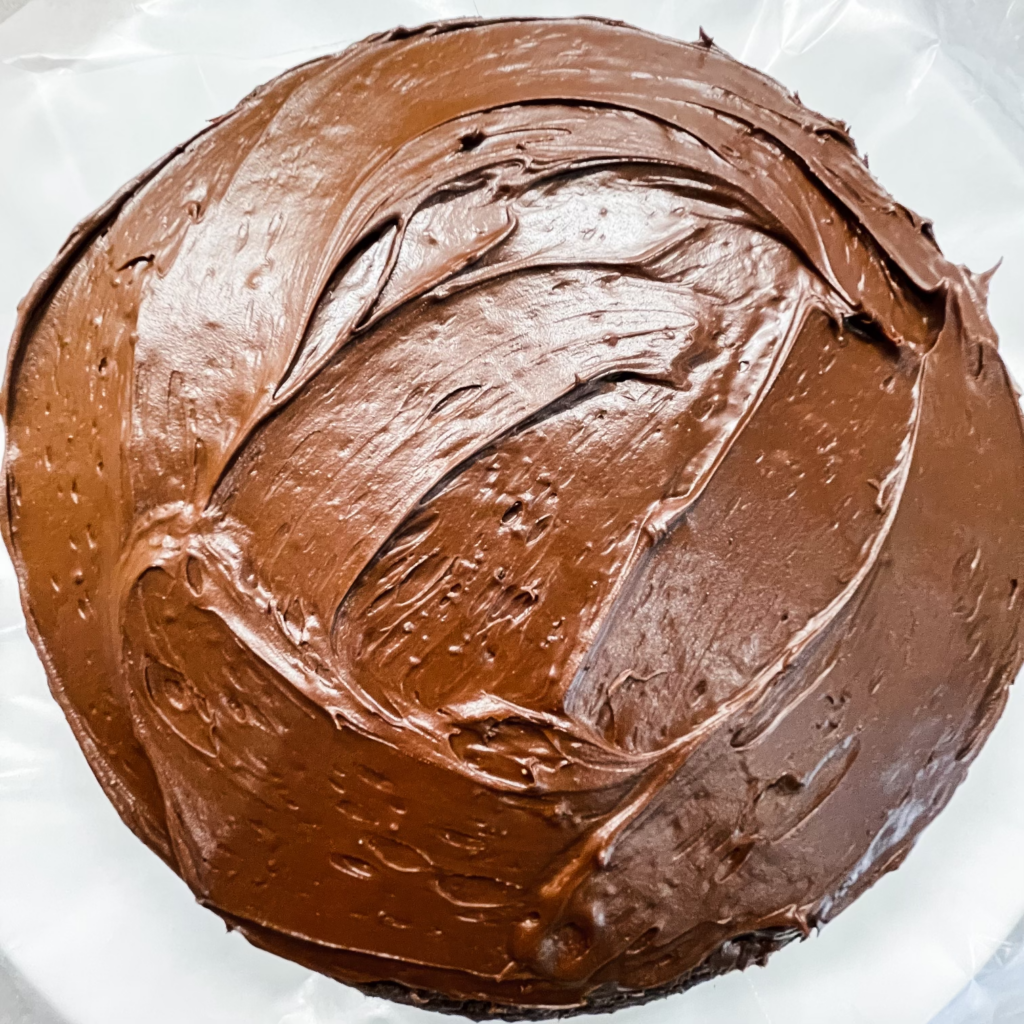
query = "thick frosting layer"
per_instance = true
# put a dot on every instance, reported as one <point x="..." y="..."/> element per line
<point x="516" y="516"/>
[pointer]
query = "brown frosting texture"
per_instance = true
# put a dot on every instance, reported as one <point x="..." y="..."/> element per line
<point x="516" y="516"/>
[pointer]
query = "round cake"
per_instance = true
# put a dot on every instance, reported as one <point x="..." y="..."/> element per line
<point x="516" y="516"/>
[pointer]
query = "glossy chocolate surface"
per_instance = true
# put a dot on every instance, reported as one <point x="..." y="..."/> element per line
<point x="514" y="510"/>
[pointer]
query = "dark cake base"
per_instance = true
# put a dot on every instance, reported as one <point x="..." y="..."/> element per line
<point x="738" y="953"/>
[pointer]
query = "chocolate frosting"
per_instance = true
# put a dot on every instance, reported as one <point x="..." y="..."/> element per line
<point x="516" y="516"/>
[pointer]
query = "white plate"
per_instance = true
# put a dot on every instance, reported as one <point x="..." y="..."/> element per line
<point x="93" y="928"/>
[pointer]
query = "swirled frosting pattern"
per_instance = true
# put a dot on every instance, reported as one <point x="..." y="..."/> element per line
<point x="516" y="516"/>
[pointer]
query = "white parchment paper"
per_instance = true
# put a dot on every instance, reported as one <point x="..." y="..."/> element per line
<point x="93" y="928"/>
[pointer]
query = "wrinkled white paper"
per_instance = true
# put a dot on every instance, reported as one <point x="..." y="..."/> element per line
<point x="93" y="928"/>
